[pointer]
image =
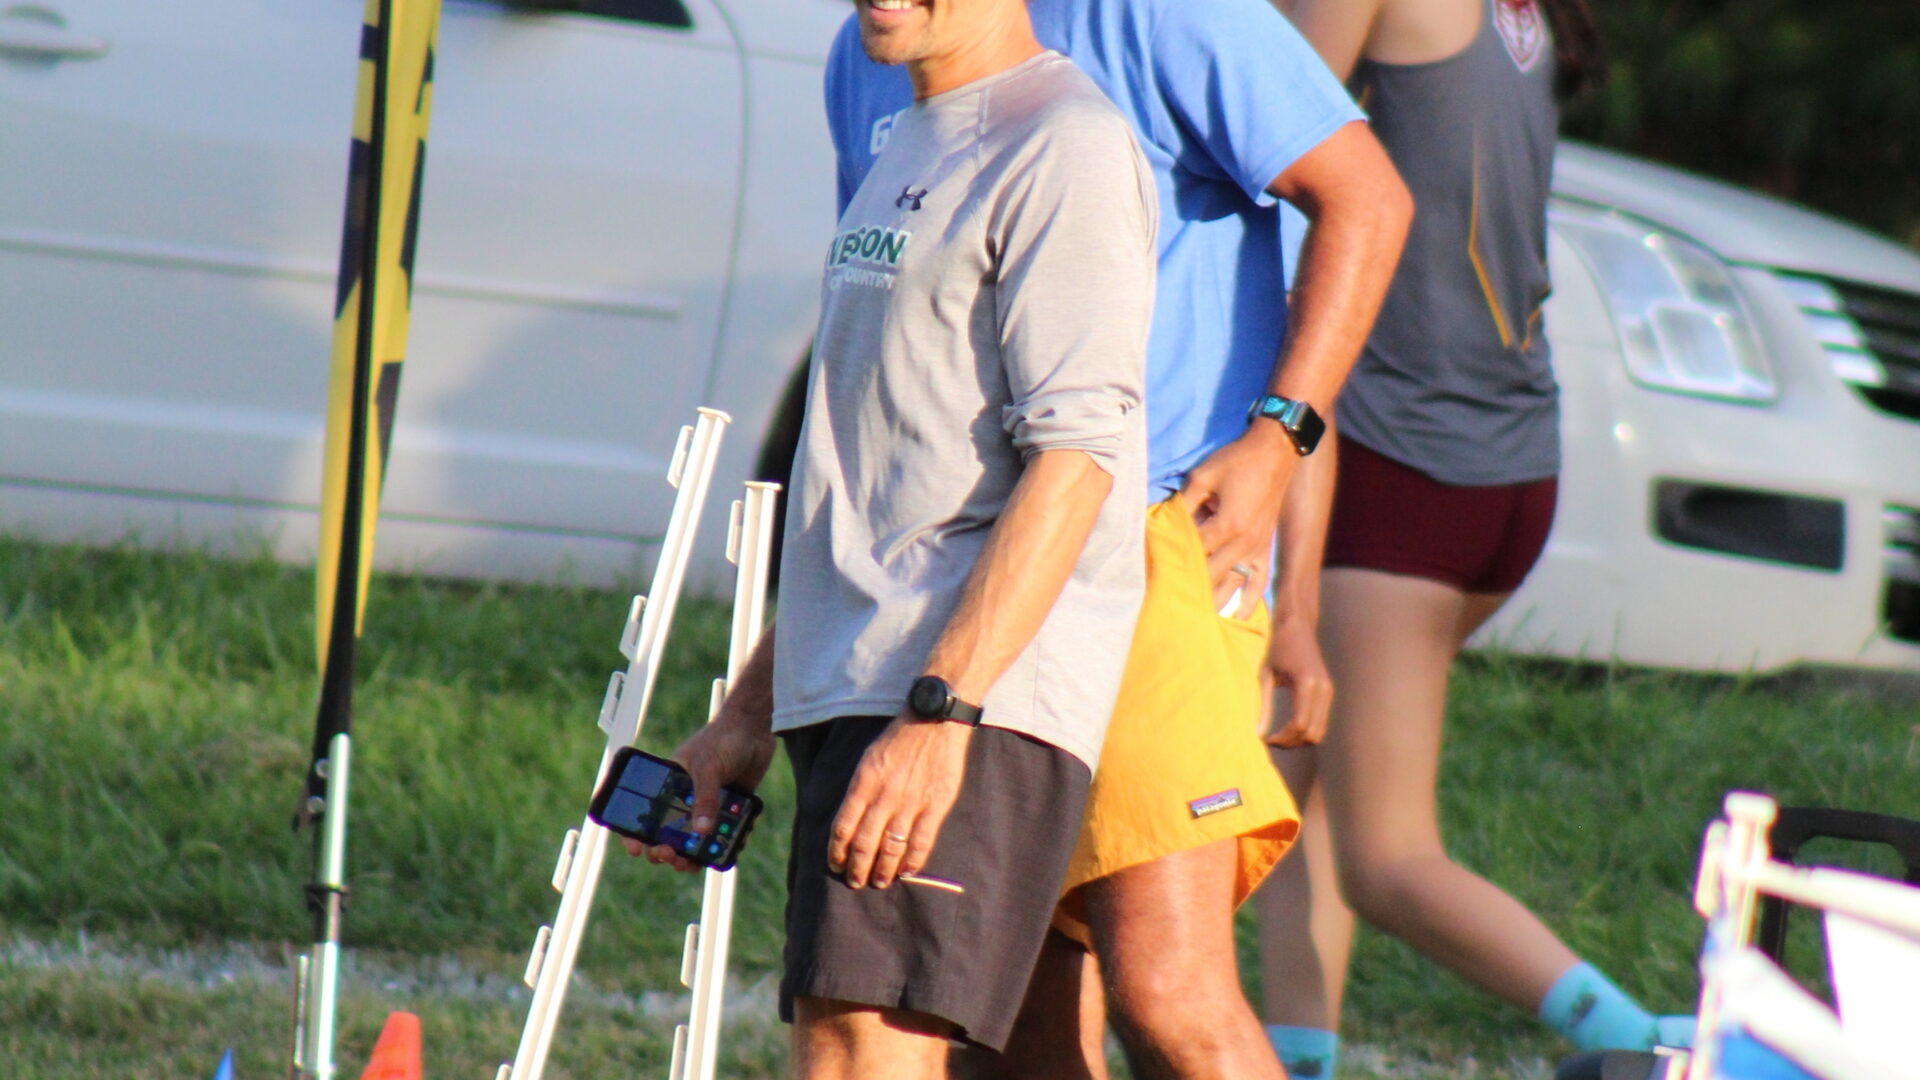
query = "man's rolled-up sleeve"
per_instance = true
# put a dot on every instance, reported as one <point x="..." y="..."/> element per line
<point x="1074" y="233"/>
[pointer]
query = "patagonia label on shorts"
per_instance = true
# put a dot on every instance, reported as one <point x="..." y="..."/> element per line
<point x="1213" y="804"/>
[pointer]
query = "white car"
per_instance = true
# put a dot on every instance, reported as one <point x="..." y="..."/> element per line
<point x="1741" y="428"/>
<point x="623" y="218"/>
<point x="622" y="221"/>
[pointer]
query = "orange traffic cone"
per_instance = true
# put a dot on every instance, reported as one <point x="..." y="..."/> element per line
<point x="396" y="1055"/>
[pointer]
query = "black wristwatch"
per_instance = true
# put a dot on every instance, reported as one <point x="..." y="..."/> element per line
<point x="1297" y="418"/>
<point x="932" y="699"/>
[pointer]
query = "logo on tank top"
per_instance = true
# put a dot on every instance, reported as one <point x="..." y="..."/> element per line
<point x="1521" y="30"/>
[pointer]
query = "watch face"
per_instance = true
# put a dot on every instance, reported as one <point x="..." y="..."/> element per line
<point x="1311" y="428"/>
<point x="928" y="696"/>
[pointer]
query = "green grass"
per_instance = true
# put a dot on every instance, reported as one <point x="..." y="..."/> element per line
<point x="143" y="1012"/>
<point x="154" y="716"/>
<point x="1584" y="792"/>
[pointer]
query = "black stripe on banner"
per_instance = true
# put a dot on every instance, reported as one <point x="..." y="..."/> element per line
<point x="386" y="401"/>
<point x="410" y="238"/>
<point x="353" y="240"/>
<point x="426" y="80"/>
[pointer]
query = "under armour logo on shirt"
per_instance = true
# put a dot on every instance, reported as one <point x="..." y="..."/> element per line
<point x="908" y="195"/>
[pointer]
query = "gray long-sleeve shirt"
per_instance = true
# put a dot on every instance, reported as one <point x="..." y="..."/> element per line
<point x="987" y="297"/>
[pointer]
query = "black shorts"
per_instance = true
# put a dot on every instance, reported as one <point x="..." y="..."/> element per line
<point x="963" y="957"/>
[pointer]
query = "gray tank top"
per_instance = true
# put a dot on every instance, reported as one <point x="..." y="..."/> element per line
<point x="1455" y="379"/>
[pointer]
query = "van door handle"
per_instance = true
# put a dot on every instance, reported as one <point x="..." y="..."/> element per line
<point x="21" y="38"/>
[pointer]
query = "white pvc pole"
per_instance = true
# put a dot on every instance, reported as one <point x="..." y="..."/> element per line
<point x="1725" y="895"/>
<point x="750" y="546"/>
<point x="621" y="715"/>
<point x="1884" y="903"/>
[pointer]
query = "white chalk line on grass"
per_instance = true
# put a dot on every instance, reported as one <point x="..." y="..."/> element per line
<point x="240" y="963"/>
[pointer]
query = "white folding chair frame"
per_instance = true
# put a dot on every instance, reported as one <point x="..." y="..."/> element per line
<point x="1739" y="985"/>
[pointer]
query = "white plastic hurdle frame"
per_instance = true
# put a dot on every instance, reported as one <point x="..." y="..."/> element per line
<point x="703" y="966"/>
<point x="1735" y="870"/>
<point x="622" y="712"/>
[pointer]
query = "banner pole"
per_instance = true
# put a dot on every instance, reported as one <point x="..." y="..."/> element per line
<point x="374" y="291"/>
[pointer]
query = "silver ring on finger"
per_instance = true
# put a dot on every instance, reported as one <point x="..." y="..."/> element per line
<point x="897" y="838"/>
<point x="1243" y="570"/>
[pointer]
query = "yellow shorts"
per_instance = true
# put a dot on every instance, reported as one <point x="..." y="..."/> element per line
<point x="1183" y="764"/>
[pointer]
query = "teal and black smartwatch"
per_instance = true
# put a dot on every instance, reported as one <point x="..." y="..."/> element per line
<point x="1297" y="418"/>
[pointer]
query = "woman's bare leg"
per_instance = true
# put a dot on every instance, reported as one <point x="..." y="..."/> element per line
<point x="1390" y="641"/>
<point x="1306" y="929"/>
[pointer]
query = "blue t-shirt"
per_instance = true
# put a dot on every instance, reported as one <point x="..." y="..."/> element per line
<point x="1224" y="96"/>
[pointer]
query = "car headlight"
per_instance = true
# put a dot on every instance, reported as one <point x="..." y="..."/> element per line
<point x="1682" y="324"/>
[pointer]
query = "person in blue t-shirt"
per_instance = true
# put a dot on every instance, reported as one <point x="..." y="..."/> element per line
<point x="1186" y="814"/>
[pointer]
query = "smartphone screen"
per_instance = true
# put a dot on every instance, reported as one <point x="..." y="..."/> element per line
<point x="651" y="800"/>
<point x="641" y="786"/>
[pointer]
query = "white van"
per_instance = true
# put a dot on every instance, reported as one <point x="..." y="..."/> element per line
<point x="622" y="221"/>
<point x="625" y="205"/>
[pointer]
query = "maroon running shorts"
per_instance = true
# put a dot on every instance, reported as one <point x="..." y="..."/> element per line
<point x="1396" y="519"/>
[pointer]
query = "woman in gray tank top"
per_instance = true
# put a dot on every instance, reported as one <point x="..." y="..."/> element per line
<point x="1449" y="448"/>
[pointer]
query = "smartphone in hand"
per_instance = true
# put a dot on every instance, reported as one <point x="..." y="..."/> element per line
<point x="650" y="799"/>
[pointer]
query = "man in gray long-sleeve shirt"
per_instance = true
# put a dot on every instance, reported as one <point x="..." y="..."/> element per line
<point x="963" y="544"/>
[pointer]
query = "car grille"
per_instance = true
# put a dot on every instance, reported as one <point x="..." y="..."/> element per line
<point x="1902" y="603"/>
<point x="1871" y="335"/>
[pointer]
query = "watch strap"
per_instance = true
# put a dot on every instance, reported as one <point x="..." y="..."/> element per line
<point x="1303" y="425"/>
<point x="962" y="713"/>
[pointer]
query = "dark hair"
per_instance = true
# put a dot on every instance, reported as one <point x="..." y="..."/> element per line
<point x="1580" y="60"/>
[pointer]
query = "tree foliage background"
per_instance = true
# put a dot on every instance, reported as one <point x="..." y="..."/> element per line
<point x="1814" y="100"/>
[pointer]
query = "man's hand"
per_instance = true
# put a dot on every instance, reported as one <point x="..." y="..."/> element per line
<point x="1234" y="497"/>
<point x="900" y="796"/>
<point x="725" y="753"/>
<point x="1294" y="662"/>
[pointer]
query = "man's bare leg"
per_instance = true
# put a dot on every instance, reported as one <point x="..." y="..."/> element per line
<point x="1304" y="975"/>
<point x="838" y="1040"/>
<point x="1061" y="1032"/>
<point x="1164" y="934"/>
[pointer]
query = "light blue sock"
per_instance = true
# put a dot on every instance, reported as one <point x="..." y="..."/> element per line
<point x="1597" y="1015"/>
<point x="1307" y="1053"/>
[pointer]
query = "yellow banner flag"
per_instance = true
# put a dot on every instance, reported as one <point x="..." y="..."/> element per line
<point x="388" y="161"/>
